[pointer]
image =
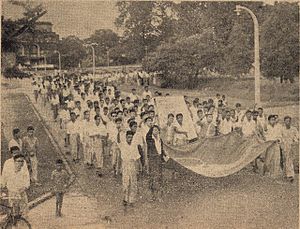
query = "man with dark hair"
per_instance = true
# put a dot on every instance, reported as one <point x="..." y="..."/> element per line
<point x="16" y="140"/>
<point x="15" y="177"/>
<point x="31" y="149"/>
<point x="181" y="134"/>
<point x="290" y="136"/>
<point x="272" y="159"/>
<point x="130" y="157"/>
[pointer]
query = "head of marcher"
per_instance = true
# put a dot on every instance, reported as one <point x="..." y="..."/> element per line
<point x="133" y="126"/>
<point x="287" y="121"/>
<point x="19" y="159"/>
<point x="179" y="118"/>
<point x="248" y="115"/>
<point x="16" y="133"/>
<point x="59" y="165"/>
<point x="272" y="120"/>
<point x="86" y="115"/>
<point x="129" y="136"/>
<point x="30" y="131"/>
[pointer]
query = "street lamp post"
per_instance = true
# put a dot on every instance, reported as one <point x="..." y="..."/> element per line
<point x="59" y="60"/>
<point x="45" y="63"/>
<point x="256" y="51"/>
<point x="93" y="51"/>
<point x="107" y="56"/>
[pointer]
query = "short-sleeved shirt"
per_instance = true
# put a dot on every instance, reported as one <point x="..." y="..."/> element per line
<point x="60" y="179"/>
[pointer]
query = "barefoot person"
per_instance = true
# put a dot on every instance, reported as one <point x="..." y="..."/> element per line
<point x="290" y="136"/>
<point x="130" y="158"/>
<point x="61" y="180"/>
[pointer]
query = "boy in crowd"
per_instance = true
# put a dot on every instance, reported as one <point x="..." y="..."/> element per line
<point x="61" y="180"/>
<point x="170" y="129"/>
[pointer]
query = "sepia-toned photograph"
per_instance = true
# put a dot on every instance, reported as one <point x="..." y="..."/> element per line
<point x="149" y="114"/>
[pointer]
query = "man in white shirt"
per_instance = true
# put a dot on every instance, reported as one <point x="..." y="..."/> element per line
<point x="248" y="125"/>
<point x="15" y="177"/>
<point x="130" y="157"/>
<point x="85" y="126"/>
<point x="133" y="96"/>
<point x="226" y="125"/>
<point x="146" y="92"/>
<point x="116" y="136"/>
<point x="97" y="134"/>
<point x="272" y="157"/>
<point x="181" y="134"/>
<point x="72" y="130"/>
<point x="290" y="136"/>
<point x="16" y="140"/>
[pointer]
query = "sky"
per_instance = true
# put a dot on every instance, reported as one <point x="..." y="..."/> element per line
<point x="77" y="17"/>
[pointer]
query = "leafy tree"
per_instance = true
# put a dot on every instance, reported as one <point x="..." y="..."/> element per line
<point x="280" y="42"/>
<point x="72" y="51"/>
<point x="105" y="39"/>
<point x="11" y="29"/>
<point x="145" y="25"/>
<point x="183" y="62"/>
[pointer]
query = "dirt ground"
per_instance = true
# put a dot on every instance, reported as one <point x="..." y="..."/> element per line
<point x="242" y="200"/>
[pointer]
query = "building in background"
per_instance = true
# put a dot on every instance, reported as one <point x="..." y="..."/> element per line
<point x="35" y="44"/>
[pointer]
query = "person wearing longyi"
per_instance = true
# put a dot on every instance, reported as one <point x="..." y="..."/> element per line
<point x="130" y="156"/>
<point x="290" y="136"/>
<point x="31" y="148"/>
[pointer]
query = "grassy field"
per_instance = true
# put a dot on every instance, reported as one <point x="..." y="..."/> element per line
<point x="272" y="93"/>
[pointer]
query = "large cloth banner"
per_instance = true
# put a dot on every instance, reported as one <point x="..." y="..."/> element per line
<point x="175" y="105"/>
<point x="219" y="156"/>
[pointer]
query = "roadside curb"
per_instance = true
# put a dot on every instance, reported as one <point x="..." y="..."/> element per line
<point x="57" y="148"/>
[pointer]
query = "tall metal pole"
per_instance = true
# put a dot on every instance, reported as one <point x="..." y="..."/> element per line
<point x="146" y="53"/>
<point x="94" y="62"/>
<point x="107" y="56"/>
<point x="45" y="63"/>
<point x="256" y="52"/>
<point x="59" y="60"/>
<point x="93" y="53"/>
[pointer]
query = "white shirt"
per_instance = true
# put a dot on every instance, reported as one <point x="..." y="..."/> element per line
<point x="13" y="142"/>
<point x="273" y="133"/>
<point x="133" y="97"/>
<point x="248" y="127"/>
<point x="145" y="93"/>
<point x="129" y="152"/>
<point x="72" y="127"/>
<point x="64" y="114"/>
<point x="55" y="100"/>
<point x="226" y="126"/>
<point x="98" y="130"/>
<point x="15" y="181"/>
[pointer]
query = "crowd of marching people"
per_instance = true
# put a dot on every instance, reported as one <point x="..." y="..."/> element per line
<point x="99" y="121"/>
